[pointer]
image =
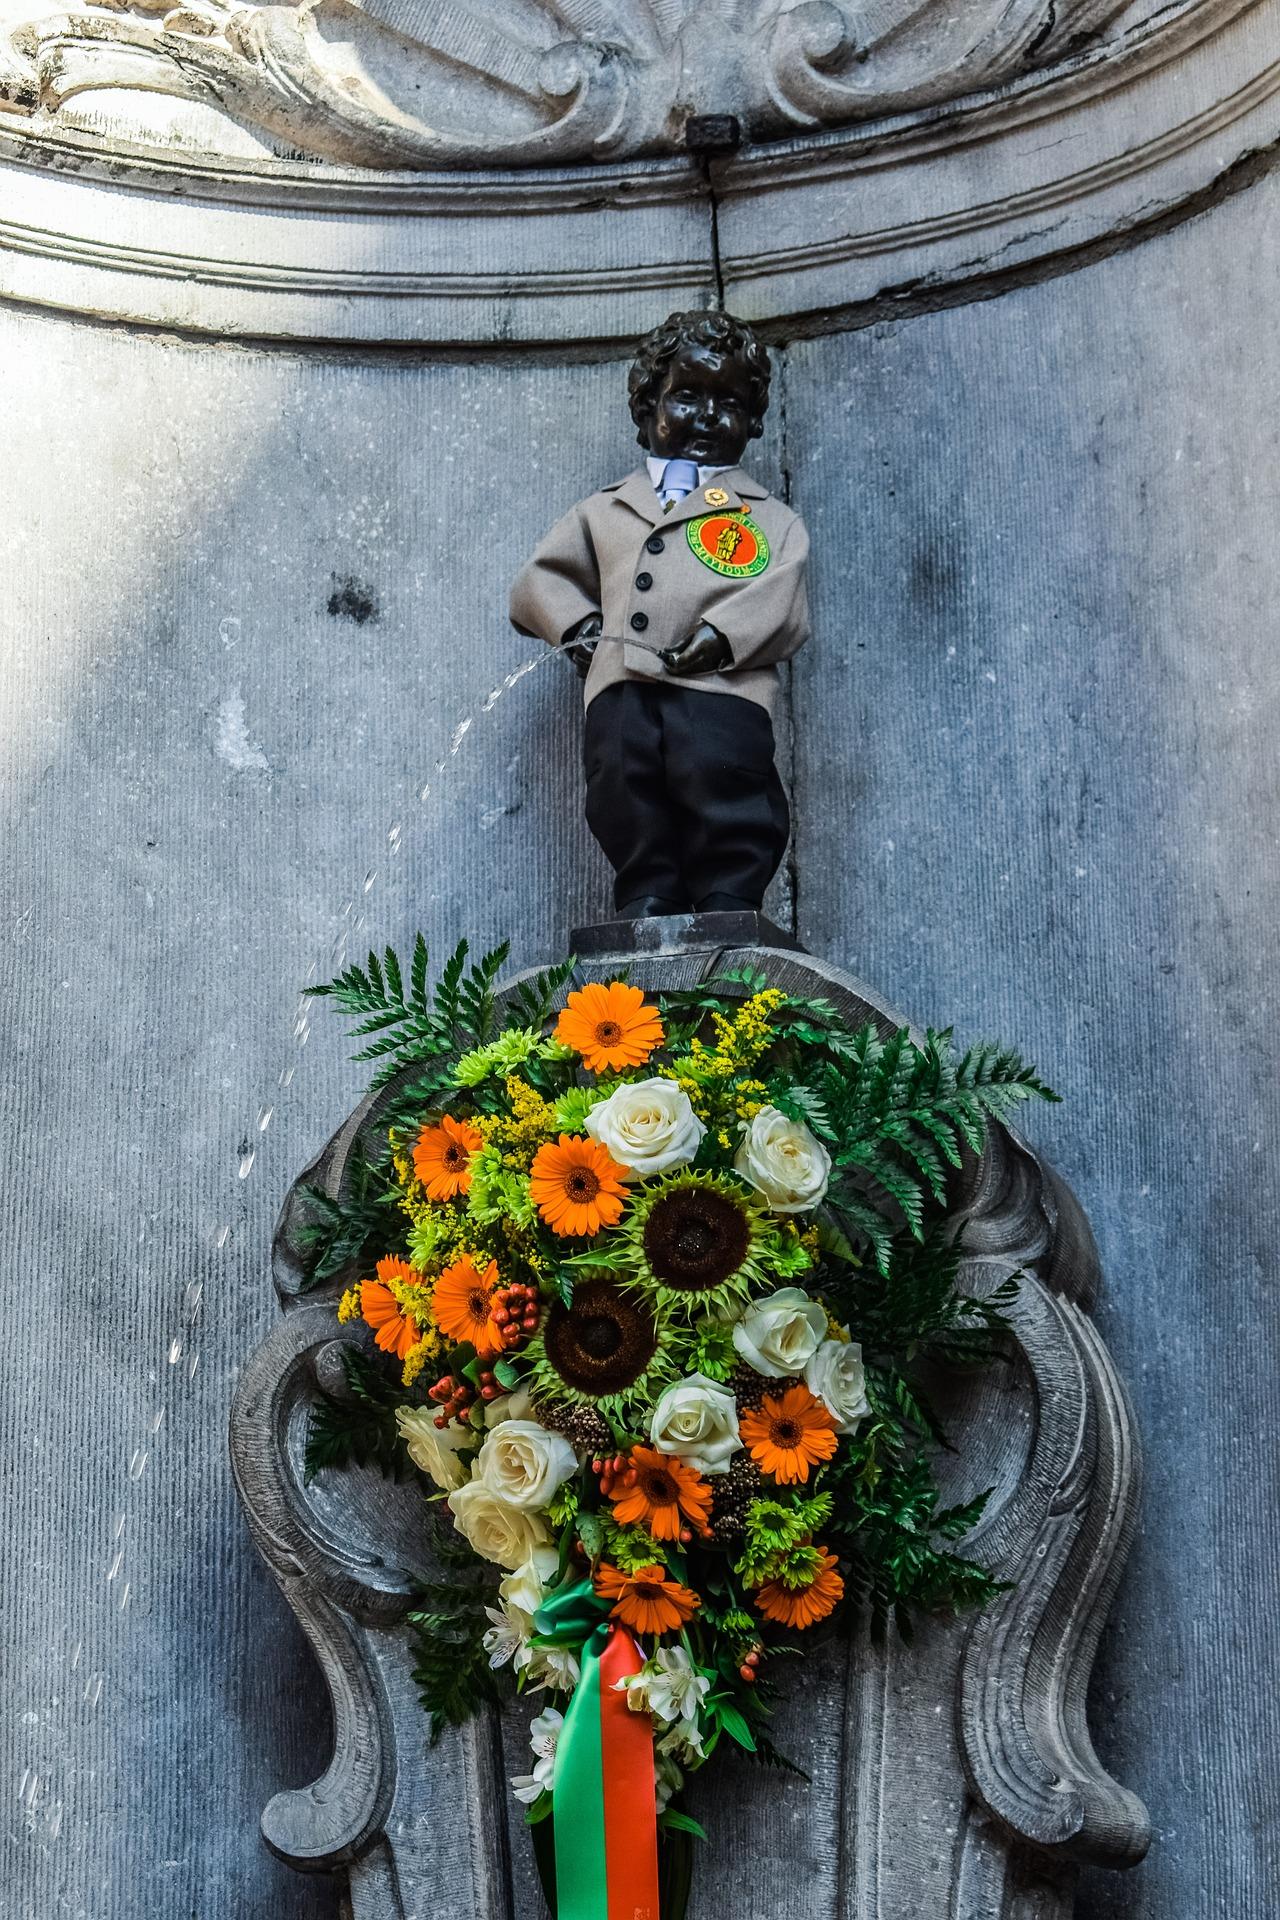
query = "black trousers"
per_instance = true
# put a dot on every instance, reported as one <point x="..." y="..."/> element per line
<point x="683" y="794"/>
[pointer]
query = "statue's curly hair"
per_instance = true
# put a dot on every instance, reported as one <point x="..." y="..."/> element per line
<point x="701" y="328"/>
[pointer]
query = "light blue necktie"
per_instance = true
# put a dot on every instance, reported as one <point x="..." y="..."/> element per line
<point x="679" y="478"/>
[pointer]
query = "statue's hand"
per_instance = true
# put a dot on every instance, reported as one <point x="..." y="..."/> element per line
<point x="705" y="651"/>
<point x="581" y="642"/>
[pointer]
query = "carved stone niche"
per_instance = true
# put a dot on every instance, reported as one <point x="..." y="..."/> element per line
<point x="955" y="1777"/>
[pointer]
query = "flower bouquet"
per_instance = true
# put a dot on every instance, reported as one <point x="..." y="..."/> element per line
<point x="647" y="1284"/>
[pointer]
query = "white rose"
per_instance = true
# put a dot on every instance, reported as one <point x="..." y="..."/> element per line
<point x="698" y="1422"/>
<point x="784" y="1161"/>
<point x="524" y="1463"/>
<point x="835" y="1373"/>
<point x="648" y="1127"/>
<point x="497" y="1530"/>
<point x="781" y="1334"/>
<point x="436" y="1450"/>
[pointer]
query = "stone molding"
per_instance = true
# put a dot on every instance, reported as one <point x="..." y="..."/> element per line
<point x="828" y="229"/>
<point x="978" y="1730"/>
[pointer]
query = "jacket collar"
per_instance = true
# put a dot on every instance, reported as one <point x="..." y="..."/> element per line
<point x="637" y="492"/>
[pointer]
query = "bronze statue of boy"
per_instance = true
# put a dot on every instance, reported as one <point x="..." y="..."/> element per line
<point x="679" y="590"/>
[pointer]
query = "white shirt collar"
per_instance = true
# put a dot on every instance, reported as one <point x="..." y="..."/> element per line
<point x="658" y="467"/>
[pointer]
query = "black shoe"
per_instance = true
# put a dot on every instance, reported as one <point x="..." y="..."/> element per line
<point x="648" y="906"/>
<point x="727" y="903"/>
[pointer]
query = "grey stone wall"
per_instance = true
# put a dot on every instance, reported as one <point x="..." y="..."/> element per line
<point x="249" y="598"/>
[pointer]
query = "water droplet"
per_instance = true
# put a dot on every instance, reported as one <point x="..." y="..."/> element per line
<point x="369" y="878"/>
<point x="192" y="1298"/>
<point x="138" y="1464"/>
<point x="32" y="1790"/>
<point x="264" y="1118"/>
<point x="229" y="631"/>
<point x="124" y="1596"/>
<point x="157" y="1420"/>
<point x="115" y="1566"/>
<point x="175" y="1352"/>
<point x="93" y="1689"/>
<point x="492" y="699"/>
<point x="117" y="1525"/>
<point x="55" y="1825"/>
<point x="75" y="1658"/>
<point x="286" y="1075"/>
<point x="22" y="1784"/>
<point x="393" y="836"/>
<point x="191" y="1370"/>
<point x="246" y="1164"/>
<point x="221" y="1237"/>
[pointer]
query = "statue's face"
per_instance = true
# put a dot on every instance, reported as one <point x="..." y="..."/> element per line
<point x="702" y="411"/>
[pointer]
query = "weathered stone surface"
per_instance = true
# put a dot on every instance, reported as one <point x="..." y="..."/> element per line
<point x="1091" y="460"/>
<point x="941" y="1775"/>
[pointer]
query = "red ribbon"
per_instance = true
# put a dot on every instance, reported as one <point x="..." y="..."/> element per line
<point x="630" y="1798"/>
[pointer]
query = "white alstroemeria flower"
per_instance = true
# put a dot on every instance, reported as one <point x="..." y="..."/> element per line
<point x="648" y="1126"/>
<point x="780" y="1335"/>
<point x="784" y="1161"/>
<point x="684" y="1744"/>
<point x="442" y="1453"/>
<point x="836" y="1374"/>
<point x="697" y="1420"/>
<point x="543" y="1736"/>
<point x="553" y="1668"/>
<point x="507" y="1641"/>
<point x="668" y="1780"/>
<point x="669" y="1686"/>
<point x="525" y="1464"/>
<point x="526" y="1588"/>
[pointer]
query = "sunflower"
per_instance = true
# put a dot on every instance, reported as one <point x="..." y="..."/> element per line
<point x="463" y="1305"/>
<point x="442" y="1157"/>
<point x="697" y="1240"/>
<point x="646" y="1601"/>
<point x="807" y="1605"/>
<point x="788" y="1434"/>
<point x="611" y="1027"/>
<point x="604" y="1350"/>
<point x="577" y="1186"/>
<point x="394" y="1330"/>
<point x="660" y="1493"/>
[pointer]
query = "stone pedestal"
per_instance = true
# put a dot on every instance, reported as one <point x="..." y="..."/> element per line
<point x="952" y="1777"/>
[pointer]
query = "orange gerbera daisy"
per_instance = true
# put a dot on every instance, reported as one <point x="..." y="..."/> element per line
<point x="394" y="1331"/>
<point x="659" y="1492"/>
<point x="646" y="1601"/>
<point x="463" y="1305"/>
<point x="442" y="1157"/>
<point x="577" y="1186"/>
<point x="611" y="1027"/>
<point x="801" y="1607"/>
<point x="791" y="1433"/>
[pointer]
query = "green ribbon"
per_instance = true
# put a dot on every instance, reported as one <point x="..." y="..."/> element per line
<point x="569" y="1616"/>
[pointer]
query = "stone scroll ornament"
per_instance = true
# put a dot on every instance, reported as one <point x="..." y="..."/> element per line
<point x="405" y="84"/>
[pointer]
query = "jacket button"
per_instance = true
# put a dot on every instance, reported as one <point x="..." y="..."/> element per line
<point x="644" y="581"/>
<point x="639" y="621"/>
<point x="655" y="543"/>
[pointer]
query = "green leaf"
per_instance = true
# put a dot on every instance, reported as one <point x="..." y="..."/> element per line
<point x="673" y="1821"/>
<point x="735" y="1725"/>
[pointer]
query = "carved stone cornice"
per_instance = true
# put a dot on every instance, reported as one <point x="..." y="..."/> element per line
<point x="824" y="228"/>
<point x="976" y="1735"/>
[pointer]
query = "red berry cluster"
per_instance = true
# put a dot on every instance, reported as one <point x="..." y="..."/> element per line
<point x="514" y="1310"/>
<point x="750" y="1668"/>
<point x="613" y="1471"/>
<point x="453" y="1397"/>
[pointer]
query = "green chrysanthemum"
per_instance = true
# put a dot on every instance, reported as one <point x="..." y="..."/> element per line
<point x="697" y="1243"/>
<point x="604" y="1350"/>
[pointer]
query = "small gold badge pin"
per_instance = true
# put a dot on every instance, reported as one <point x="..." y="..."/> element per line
<point x="716" y="497"/>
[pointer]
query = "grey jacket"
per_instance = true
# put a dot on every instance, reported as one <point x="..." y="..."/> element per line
<point x="618" y="554"/>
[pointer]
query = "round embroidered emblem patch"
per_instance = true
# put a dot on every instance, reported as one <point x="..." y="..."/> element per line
<point x="729" y="543"/>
